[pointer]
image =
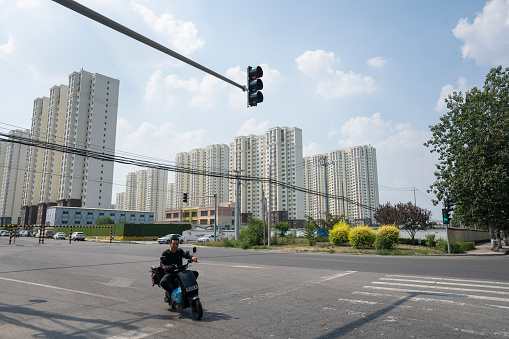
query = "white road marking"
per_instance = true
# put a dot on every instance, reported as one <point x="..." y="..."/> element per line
<point x="439" y="287"/>
<point x="411" y="299"/>
<point x="141" y="333"/>
<point x="334" y="276"/>
<point x="118" y="282"/>
<point x="353" y="301"/>
<point x="64" y="289"/>
<point x="229" y="265"/>
<point x="445" y="283"/>
<point x="449" y="279"/>
<point x="437" y="293"/>
<point x="243" y="266"/>
<point x="506" y="307"/>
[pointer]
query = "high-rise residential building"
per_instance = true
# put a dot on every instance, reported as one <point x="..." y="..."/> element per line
<point x="120" y="201"/>
<point x="276" y="154"/>
<point x="12" y="171"/>
<point x="202" y="188"/>
<point x="82" y="115"/>
<point x="181" y="178"/>
<point x="130" y="191"/>
<point x="350" y="173"/>
<point x="157" y="181"/>
<point x="145" y="191"/>
<point x="170" y="202"/>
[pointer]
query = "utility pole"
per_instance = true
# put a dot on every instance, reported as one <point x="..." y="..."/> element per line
<point x="237" y="205"/>
<point x="215" y="215"/>
<point x="263" y="214"/>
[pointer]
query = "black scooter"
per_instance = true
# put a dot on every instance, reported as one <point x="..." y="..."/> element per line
<point x="184" y="296"/>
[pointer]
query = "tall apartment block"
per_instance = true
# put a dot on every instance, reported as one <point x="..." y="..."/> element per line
<point x="12" y="171"/>
<point x="277" y="154"/>
<point x="82" y="115"/>
<point x="350" y="173"/>
<point x="170" y="202"/>
<point x="200" y="188"/>
<point x="145" y="191"/>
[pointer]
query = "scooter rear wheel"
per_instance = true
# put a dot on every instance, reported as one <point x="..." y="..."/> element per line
<point x="197" y="309"/>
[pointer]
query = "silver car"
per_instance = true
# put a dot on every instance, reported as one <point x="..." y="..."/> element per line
<point x="78" y="236"/>
<point x="59" y="235"/>
<point x="167" y="238"/>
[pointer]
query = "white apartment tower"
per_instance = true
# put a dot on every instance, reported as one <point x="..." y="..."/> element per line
<point x="201" y="188"/>
<point x="82" y="115"/>
<point x="145" y="191"/>
<point x="12" y="171"/>
<point x="170" y="202"/>
<point x="350" y="173"/>
<point x="90" y="123"/>
<point x="277" y="155"/>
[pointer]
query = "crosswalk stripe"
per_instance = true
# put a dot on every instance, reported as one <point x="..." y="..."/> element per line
<point x="484" y="282"/>
<point x="460" y="295"/>
<point x="446" y="283"/>
<point x="440" y="287"/>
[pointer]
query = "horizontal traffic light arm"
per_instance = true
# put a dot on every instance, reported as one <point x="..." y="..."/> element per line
<point x="78" y="8"/>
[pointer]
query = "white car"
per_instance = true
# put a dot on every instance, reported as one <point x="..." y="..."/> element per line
<point x="206" y="238"/>
<point x="59" y="235"/>
<point x="78" y="236"/>
<point x="4" y="233"/>
<point x="167" y="239"/>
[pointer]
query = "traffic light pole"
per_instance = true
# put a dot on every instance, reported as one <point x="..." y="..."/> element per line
<point x="447" y="230"/>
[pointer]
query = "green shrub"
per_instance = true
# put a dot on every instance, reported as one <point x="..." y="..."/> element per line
<point x="456" y="247"/>
<point x="389" y="231"/>
<point x="228" y="243"/>
<point x="430" y="240"/>
<point x="244" y="245"/>
<point x="339" y="233"/>
<point x="361" y="237"/>
<point x="253" y="233"/>
<point x="468" y="246"/>
<point x="383" y="243"/>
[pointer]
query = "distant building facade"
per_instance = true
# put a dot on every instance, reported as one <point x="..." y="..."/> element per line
<point x="77" y="216"/>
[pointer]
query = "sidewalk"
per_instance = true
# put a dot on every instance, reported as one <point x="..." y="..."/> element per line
<point x="484" y="248"/>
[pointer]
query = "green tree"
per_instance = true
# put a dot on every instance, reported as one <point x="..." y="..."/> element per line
<point x="472" y="141"/>
<point x="253" y="233"/>
<point x="105" y="221"/>
<point x="310" y="232"/>
<point x="282" y="227"/>
<point x="407" y="216"/>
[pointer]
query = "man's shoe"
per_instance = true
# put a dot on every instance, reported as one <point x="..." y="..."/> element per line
<point x="166" y="299"/>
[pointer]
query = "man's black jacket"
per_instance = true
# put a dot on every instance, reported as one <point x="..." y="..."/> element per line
<point x="168" y="258"/>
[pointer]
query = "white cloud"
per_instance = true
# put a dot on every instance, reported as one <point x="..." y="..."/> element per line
<point x="310" y="149"/>
<point x="332" y="83"/>
<point x="251" y="127"/>
<point x="7" y="48"/>
<point x="25" y="4"/>
<point x="376" y="62"/>
<point x="449" y="89"/>
<point x="161" y="141"/>
<point x="486" y="39"/>
<point x="168" y="90"/>
<point x="332" y="132"/>
<point x="182" y="35"/>
<point x="314" y="63"/>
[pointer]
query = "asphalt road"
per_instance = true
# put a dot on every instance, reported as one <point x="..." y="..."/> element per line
<point x="102" y="290"/>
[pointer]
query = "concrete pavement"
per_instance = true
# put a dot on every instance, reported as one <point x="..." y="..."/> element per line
<point x="485" y="249"/>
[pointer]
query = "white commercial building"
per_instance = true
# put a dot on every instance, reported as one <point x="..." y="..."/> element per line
<point x="13" y="158"/>
<point x="77" y="216"/>
<point x="350" y="176"/>
<point x="83" y="115"/>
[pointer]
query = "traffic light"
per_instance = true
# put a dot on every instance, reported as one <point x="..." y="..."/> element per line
<point x="449" y="204"/>
<point x="254" y="85"/>
<point x="184" y="197"/>
<point x="445" y="216"/>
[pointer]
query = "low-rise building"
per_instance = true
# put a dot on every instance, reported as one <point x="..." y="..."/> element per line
<point x="203" y="216"/>
<point x="78" y="216"/>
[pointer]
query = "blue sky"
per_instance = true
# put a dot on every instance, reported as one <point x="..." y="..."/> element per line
<point x="347" y="73"/>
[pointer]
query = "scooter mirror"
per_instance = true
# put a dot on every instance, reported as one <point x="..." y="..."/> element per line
<point x="194" y="250"/>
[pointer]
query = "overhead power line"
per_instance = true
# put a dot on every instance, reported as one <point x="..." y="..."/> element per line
<point x="111" y="156"/>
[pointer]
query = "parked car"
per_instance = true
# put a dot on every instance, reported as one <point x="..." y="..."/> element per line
<point x="59" y="235"/>
<point x="4" y="233"/>
<point x="167" y="238"/>
<point x="78" y="236"/>
<point x="206" y="238"/>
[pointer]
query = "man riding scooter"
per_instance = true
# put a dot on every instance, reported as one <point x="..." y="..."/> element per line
<point x="173" y="256"/>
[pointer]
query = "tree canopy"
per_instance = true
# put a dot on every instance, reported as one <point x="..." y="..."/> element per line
<point x="472" y="141"/>
<point x="405" y="215"/>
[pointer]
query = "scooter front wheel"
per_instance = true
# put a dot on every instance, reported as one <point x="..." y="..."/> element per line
<point x="197" y="309"/>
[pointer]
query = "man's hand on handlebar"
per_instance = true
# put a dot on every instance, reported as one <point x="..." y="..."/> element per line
<point x="194" y="259"/>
